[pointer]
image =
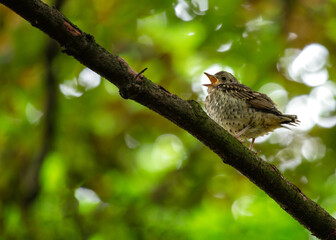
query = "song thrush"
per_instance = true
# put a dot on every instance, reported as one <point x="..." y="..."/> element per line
<point x="241" y="111"/>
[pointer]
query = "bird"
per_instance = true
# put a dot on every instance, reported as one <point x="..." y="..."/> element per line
<point x="244" y="113"/>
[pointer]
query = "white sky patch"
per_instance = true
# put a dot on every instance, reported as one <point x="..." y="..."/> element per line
<point x="182" y="11"/>
<point x="88" y="79"/>
<point x="256" y="24"/>
<point x="289" y="159"/>
<point x="316" y="108"/>
<point x="187" y="13"/>
<point x="308" y="65"/>
<point x="70" y="88"/>
<point x="299" y="105"/>
<point x="314" y="79"/>
<point x="312" y="58"/>
<point x="323" y="102"/>
<point x="85" y="195"/>
<point x="282" y="136"/>
<point x="202" y="5"/>
<point x="224" y="47"/>
<point x="313" y="149"/>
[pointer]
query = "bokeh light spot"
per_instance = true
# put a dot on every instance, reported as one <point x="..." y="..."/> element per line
<point x="70" y="88"/>
<point x="88" y="79"/>
<point x="313" y="149"/>
<point x="308" y="65"/>
<point x="167" y="152"/>
<point x="33" y="114"/>
<point x="241" y="207"/>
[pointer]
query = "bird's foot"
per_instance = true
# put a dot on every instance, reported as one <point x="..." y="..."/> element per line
<point x="256" y="152"/>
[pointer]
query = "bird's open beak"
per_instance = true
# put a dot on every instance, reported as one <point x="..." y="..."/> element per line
<point x="214" y="81"/>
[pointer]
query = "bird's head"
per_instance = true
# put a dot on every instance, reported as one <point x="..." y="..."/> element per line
<point x="220" y="77"/>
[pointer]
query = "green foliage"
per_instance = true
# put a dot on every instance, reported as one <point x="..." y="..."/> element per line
<point x="113" y="169"/>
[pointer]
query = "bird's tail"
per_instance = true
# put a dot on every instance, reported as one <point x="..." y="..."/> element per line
<point x="290" y="120"/>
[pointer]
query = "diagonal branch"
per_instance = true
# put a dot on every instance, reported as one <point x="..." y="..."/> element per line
<point x="186" y="114"/>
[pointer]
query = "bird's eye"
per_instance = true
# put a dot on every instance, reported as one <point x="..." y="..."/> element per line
<point x="223" y="78"/>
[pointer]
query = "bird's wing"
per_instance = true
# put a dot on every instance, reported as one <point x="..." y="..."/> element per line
<point x="256" y="100"/>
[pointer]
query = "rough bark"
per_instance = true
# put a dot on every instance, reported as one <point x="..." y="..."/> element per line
<point x="186" y="114"/>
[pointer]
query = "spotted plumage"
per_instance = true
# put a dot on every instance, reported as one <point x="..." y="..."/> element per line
<point x="241" y="111"/>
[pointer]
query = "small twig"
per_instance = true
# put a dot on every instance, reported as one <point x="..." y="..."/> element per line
<point x="140" y="73"/>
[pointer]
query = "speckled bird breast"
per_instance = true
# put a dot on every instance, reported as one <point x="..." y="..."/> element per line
<point x="235" y="114"/>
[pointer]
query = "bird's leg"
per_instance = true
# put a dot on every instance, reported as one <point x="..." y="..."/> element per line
<point x="241" y="132"/>
<point x="256" y="153"/>
<point x="252" y="143"/>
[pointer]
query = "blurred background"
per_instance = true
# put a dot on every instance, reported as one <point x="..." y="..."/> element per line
<point x="79" y="162"/>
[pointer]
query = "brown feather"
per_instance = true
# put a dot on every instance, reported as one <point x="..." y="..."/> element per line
<point x="256" y="100"/>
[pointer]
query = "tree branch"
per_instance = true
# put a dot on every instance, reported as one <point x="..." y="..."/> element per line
<point x="186" y="114"/>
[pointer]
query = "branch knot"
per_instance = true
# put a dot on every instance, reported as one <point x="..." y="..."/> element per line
<point x="130" y="91"/>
